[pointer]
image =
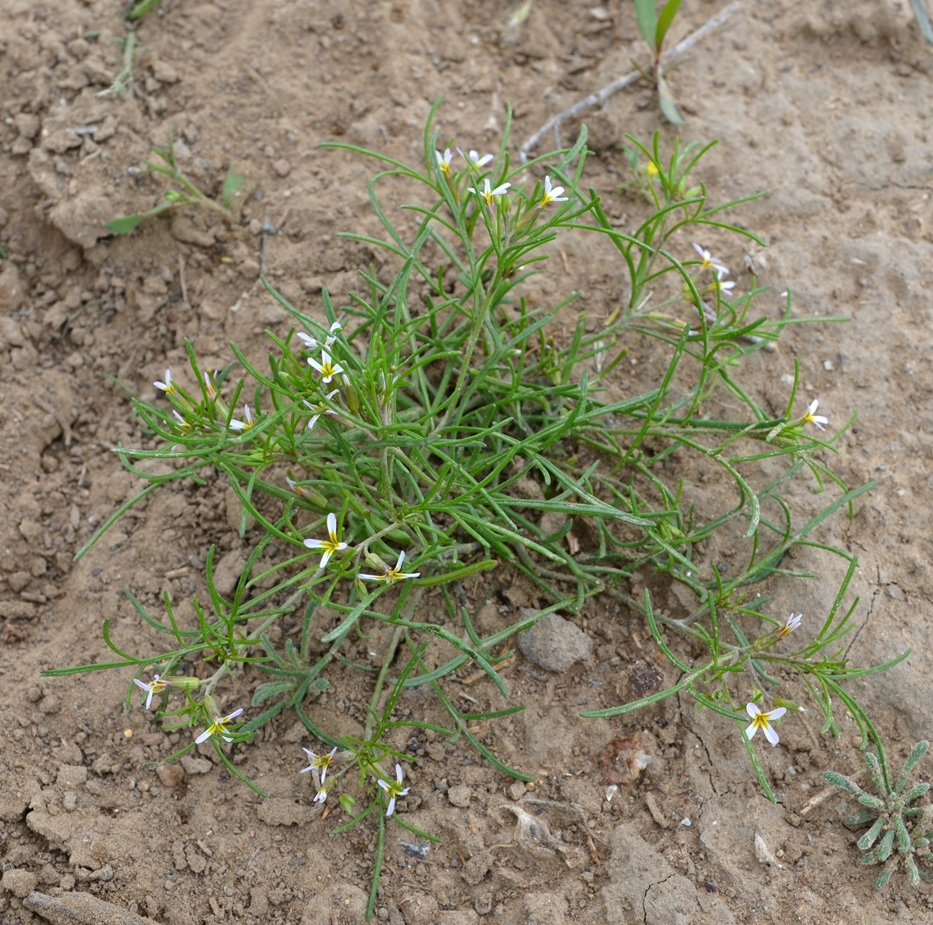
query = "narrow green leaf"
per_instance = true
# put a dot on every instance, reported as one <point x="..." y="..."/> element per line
<point x="668" y="13"/>
<point x="668" y="106"/>
<point x="138" y="10"/>
<point x="647" y="18"/>
<point x="127" y="223"/>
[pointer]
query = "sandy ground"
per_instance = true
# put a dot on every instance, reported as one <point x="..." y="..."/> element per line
<point x="824" y="105"/>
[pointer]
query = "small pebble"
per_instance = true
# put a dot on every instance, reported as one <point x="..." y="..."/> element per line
<point x="459" y="796"/>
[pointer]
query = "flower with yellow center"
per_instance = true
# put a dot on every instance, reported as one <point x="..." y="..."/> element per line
<point x="218" y="726"/>
<point x="331" y="544"/>
<point x="322" y="762"/>
<point x="789" y="625"/>
<point x="474" y="160"/>
<point x="245" y="424"/>
<point x="327" y="368"/>
<point x="321" y="408"/>
<point x="394" y="791"/>
<point x="551" y="194"/>
<point x="488" y="193"/>
<point x="709" y="262"/>
<point x="762" y="721"/>
<point x="811" y="417"/>
<point x="443" y="161"/>
<point x="391" y="575"/>
<point x="155" y="686"/>
<point x="168" y="386"/>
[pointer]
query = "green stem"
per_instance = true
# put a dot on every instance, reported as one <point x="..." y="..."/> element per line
<point x="380" y="681"/>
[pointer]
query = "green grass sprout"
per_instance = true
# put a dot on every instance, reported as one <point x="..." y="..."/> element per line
<point x="184" y="192"/>
<point x="654" y="25"/>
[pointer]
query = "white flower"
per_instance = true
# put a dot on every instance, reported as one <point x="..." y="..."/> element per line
<point x="321" y="408"/>
<point x="709" y="262"/>
<point x="331" y="544"/>
<point x="394" y="791"/>
<point x="312" y="344"/>
<point x="763" y="721"/>
<point x="168" y="386"/>
<point x="320" y="796"/>
<point x="474" y="160"/>
<point x="488" y="192"/>
<point x="552" y="194"/>
<point x="391" y="575"/>
<point x="326" y="368"/>
<point x="443" y="161"/>
<point x="789" y="625"/>
<point x="812" y="418"/>
<point x="335" y="329"/>
<point x="319" y="761"/>
<point x="724" y="287"/>
<point x="218" y="727"/>
<point x="245" y="424"/>
<point x="155" y="686"/>
<point x="182" y="423"/>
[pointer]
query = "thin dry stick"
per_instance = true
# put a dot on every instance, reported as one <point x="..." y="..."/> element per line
<point x="600" y="97"/>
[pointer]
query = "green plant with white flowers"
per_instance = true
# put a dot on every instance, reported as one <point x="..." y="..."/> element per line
<point x="392" y="449"/>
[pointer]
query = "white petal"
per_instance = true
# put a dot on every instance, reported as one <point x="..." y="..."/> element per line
<point x="750" y="731"/>
<point x="771" y="735"/>
<point x="752" y="710"/>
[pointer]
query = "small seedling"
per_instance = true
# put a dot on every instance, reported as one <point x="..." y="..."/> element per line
<point x="653" y="26"/>
<point x="187" y="194"/>
<point x="136" y="11"/>
<point x="900" y="833"/>
<point x="122" y="85"/>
